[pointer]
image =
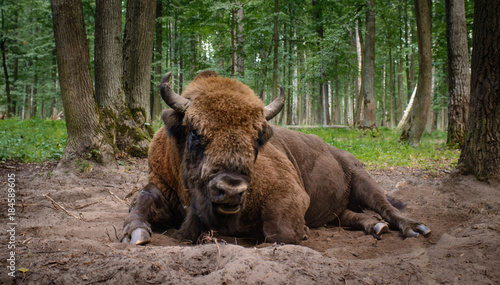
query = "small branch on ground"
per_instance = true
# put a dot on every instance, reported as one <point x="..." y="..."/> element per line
<point x="57" y="205"/>
<point x="119" y="199"/>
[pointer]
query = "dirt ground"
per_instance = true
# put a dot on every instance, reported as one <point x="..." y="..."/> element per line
<point x="79" y="244"/>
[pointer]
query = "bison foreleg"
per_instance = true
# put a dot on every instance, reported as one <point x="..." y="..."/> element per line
<point x="149" y="207"/>
<point x="366" y="193"/>
<point x="283" y="219"/>
<point x="192" y="227"/>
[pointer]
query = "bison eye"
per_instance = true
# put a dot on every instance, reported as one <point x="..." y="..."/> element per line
<point x="194" y="139"/>
<point x="195" y="143"/>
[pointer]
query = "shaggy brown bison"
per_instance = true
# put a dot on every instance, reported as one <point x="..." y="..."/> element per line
<point x="218" y="164"/>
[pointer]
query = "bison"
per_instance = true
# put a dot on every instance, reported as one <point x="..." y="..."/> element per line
<point x="217" y="164"/>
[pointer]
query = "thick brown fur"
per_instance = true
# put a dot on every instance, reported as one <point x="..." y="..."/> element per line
<point x="294" y="180"/>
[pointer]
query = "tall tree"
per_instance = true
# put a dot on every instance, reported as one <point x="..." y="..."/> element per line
<point x="323" y="86"/>
<point x="156" y="107"/>
<point x="481" y="150"/>
<point x="138" y="52"/>
<point x="359" y="83"/>
<point x="241" y="41"/>
<point x="369" y="117"/>
<point x="234" y="53"/>
<point x="108" y="65"/>
<point x="86" y="135"/>
<point x="275" y="50"/>
<point x="415" y="124"/>
<point x="3" y="47"/>
<point x="458" y="71"/>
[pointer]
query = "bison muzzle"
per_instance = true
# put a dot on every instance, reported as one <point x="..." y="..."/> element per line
<point x="219" y="165"/>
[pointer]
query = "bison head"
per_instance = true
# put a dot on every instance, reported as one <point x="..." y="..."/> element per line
<point x="219" y="125"/>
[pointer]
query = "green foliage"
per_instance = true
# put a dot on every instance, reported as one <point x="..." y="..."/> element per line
<point x="384" y="150"/>
<point x="32" y="140"/>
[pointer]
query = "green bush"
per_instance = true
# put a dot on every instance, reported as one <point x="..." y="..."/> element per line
<point x="40" y="140"/>
<point x="383" y="150"/>
<point x="32" y="140"/>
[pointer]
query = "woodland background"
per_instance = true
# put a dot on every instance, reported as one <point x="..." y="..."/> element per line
<point x="313" y="48"/>
<point x="364" y="64"/>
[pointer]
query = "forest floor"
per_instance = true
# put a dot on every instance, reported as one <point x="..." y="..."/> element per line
<point x="80" y="244"/>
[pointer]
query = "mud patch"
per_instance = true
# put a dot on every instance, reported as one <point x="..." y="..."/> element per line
<point x="80" y="244"/>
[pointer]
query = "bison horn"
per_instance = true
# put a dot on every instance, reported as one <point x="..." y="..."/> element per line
<point x="176" y="102"/>
<point x="271" y="110"/>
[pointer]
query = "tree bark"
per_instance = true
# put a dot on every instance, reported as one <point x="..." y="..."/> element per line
<point x="392" y="89"/>
<point x="369" y="116"/>
<point x="458" y="71"/>
<point x="338" y="114"/>
<point x="10" y="112"/>
<point x="481" y="150"/>
<point x="234" y="55"/>
<point x="138" y="54"/>
<point x="359" y="84"/>
<point x="114" y="110"/>
<point x="156" y="107"/>
<point x="86" y="136"/>
<point x="275" y="51"/>
<point x="415" y="125"/>
<point x="241" y="42"/>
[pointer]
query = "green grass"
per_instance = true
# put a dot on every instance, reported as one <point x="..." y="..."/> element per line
<point x="382" y="151"/>
<point x="32" y="140"/>
<point x="41" y="140"/>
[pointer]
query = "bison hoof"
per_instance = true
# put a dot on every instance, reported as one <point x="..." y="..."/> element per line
<point x="379" y="229"/>
<point x="411" y="234"/>
<point x="139" y="236"/>
<point x="417" y="230"/>
<point x="423" y="230"/>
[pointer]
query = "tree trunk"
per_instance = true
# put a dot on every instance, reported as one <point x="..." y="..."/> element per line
<point x="458" y="71"/>
<point x="114" y="110"/>
<point x="241" y="42"/>
<point x="392" y="89"/>
<point x="234" y="56"/>
<point x="10" y="112"/>
<point x="481" y="150"/>
<point x="414" y="126"/>
<point x="338" y="114"/>
<point x="369" y="116"/>
<point x="359" y="98"/>
<point x="275" y="51"/>
<point x="383" y="123"/>
<point x="400" y="96"/>
<point x="406" y="113"/>
<point x="138" y="54"/>
<point x="156" y="107"/>
<point x="34" y="93"/>
<point x="86" y="136"/>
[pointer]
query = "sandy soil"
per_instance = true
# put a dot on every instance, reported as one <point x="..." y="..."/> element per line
<point x="79" y="245"/>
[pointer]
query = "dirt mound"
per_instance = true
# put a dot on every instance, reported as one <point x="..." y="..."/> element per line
<point x="68" y="226"/>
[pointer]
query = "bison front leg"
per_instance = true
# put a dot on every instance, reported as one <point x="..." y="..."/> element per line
<point x="283" y="218"/>
<point x="148" y="208"/>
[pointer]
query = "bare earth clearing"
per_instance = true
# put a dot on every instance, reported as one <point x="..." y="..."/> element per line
<point x="83" y="248"/>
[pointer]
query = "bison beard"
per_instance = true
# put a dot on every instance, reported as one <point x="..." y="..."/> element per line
<point x="218" y="165"/>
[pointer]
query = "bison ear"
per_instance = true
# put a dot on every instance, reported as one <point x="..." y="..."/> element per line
<point x="205" y="74"/>
<point x="173" y="123"/>
<point x="264" y="135"/>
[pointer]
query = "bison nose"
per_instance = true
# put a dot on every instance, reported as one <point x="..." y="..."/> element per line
<point x="227" y="189"/>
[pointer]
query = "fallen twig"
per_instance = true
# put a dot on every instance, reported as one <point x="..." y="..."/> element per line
<point x="134" y="189"/>
<point x="119" y="199"/>
<point x="61" y="207"/>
